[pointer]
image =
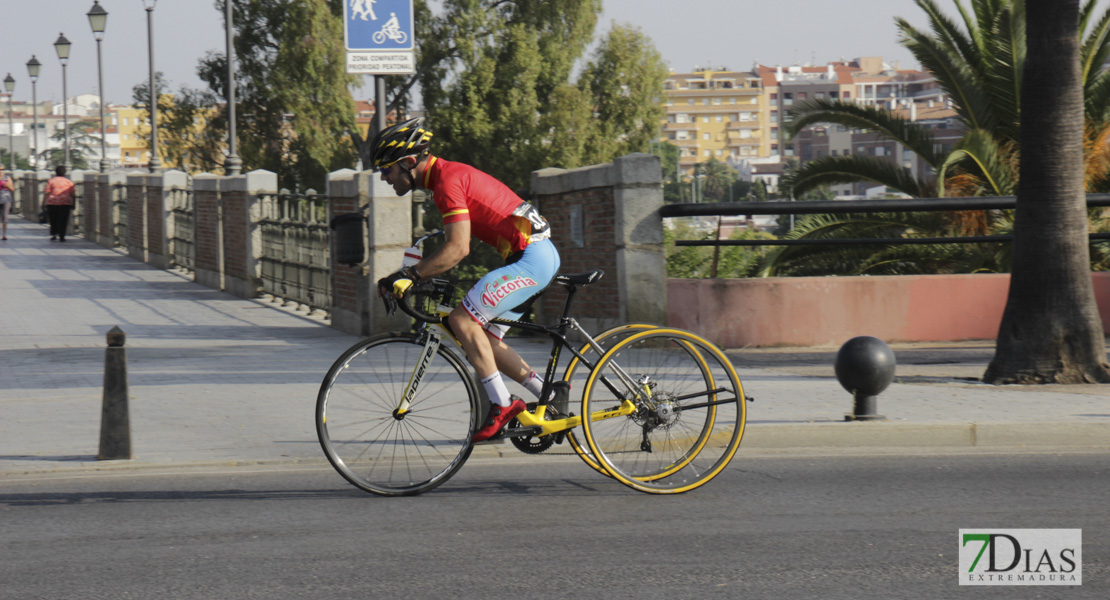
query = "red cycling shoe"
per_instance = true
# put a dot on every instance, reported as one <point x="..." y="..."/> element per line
<point x="498" y="417"/>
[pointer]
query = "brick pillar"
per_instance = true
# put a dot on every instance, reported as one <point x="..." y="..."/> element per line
<point x="607" y="217"/>
<point x="355" y="305"/>
<point x="206" y="231"/>
<point x="34" y="183"/>
<point x="158" y="218"/>
<point x="136" y="215"/>
<point x="77" y="215"/>
<point x="242" y="238"/>
<point x="111" y="185"/>
<point x="90" y="206"/>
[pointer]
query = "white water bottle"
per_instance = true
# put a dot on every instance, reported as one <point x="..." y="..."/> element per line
<point x="413" y="254"/>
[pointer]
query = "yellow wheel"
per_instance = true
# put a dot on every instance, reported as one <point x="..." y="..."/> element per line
<point x="666" y="411"/>
<point x="577" y="378"/>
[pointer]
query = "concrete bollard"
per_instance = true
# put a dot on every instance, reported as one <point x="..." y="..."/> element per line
<point x="865" y="367"/>
<point x="115" y="425"/>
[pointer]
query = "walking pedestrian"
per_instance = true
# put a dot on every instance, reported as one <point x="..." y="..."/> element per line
<point x="6" y="199"/>
<point x="59" y="198"/>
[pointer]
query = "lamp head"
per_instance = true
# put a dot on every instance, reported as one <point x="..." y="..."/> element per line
<point x="98" y="19"/>
<point x="9" y="83"/>
<point x="61" y="46"/>
<point x="33" y="68"/>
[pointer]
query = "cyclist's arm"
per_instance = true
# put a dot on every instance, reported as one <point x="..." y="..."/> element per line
<point x="456" y="248"/>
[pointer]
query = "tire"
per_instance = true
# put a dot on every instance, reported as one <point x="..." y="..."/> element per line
<point x="391" y="456"/>
<point x="682" y="433"/>
<point x="606" y="339"/>
<point x="378" y="37"/>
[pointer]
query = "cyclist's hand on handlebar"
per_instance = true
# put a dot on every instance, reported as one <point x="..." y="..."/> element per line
<point x="392" y="287"/>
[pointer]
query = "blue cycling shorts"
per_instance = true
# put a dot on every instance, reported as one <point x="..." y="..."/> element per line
<point x="504" y="289"/>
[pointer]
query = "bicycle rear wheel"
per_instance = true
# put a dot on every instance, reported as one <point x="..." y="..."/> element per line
<point x="606" y="339"/>
<point x="686" y="411"/>
<point x="396" y="455"/>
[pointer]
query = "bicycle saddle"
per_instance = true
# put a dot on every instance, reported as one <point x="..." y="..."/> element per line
<point x="580" y="278"/>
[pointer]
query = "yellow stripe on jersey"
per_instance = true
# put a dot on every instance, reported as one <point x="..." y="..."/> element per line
<point x="452" y="213"/>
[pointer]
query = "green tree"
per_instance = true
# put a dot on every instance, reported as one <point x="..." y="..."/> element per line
<point x="979" y="67"/>
<point x="1051" y="331"/>
<point x="81" y="143"/>
<point x="21" y="162"/>
<point x="192" y="126"/>
<point x="294" y="110"/>
<point x="497" y="88"/>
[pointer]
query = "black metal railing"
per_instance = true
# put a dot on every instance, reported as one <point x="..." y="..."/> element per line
<point x="734" y="209"/>
<point x="296" y="255"/>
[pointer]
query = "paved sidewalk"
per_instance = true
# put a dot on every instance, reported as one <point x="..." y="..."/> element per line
<point x="216" y="379"/>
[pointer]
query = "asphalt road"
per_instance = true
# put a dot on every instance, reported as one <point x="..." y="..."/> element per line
<point x="844" y="527"/>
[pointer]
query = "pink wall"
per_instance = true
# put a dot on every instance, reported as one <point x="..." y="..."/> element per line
<point x="818" y="311"/>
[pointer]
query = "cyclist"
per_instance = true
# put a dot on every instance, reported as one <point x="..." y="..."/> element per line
<point x="473" y="203"/>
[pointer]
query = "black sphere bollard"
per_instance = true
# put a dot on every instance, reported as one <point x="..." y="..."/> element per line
<point x="115" y="424"/>
<point x="865" y="367"/>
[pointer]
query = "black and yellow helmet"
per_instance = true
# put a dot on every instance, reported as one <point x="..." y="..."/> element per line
<point x="393" y="143"/>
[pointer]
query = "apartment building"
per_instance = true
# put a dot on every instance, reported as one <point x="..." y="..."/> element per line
<point x="716" y="113"/>
<point x="741" y="117"/>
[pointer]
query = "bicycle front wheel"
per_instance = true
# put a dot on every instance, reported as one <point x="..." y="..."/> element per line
<point x="666" y="411"/>
<point x="385" y="451"/>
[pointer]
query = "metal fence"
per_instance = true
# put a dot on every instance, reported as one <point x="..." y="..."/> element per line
<point x="727" y="209"/>
<point x="296" y="255"/>
<point x="181" y="239"/>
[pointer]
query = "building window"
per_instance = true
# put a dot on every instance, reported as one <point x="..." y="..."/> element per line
<point x="819" y="95"/>
<point x="705" y="136"/>
<point x="834" y="95"/>
<point x="846" y="95"/>
<point x="720" y="119"/>
<point x="745" y="116"/>
<point x="774" y="116"/>
<point x="801" y="96"/>
<point x="705" y="119"/>
<point x="774" y="97"/>
<point x="787" y="99"/>
<point x="716" y="102"/>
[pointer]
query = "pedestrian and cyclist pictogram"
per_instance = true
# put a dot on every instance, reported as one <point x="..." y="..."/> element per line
<point x="379" y="36"/>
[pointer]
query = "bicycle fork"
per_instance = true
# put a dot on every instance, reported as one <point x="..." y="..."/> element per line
<point x="431" y="346"/>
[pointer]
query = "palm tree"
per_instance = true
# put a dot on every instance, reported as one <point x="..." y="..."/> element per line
<point x="1051" y="331"/>
<point x="980" y="68"/>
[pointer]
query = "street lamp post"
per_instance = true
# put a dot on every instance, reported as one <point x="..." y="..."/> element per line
<point x="61" y="46"/>
<point x="234" y="164"/>
<point x="98" y="20"/>
<point x="155" y="162"/>
<point x="9" y="87"/>
<point x="33" y="67"/>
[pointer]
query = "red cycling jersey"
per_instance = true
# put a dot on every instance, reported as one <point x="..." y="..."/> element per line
<point x="497" y="216"/>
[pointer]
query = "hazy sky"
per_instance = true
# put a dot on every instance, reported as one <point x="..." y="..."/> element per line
<point x="717" y="33"/>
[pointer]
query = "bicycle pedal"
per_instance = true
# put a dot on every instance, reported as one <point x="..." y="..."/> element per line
<point x="521" y="432"/>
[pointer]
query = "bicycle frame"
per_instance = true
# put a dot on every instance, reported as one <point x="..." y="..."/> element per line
<point x="534" y="423"/>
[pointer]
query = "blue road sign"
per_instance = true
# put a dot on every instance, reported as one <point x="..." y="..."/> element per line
<point x="378" y="25"/>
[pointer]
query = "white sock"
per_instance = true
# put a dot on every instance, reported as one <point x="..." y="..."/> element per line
<point x="534" y="384"/>
<point x="496" y="390"/>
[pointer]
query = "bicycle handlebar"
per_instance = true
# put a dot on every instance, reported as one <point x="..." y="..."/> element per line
<point x="407" y="288"/>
